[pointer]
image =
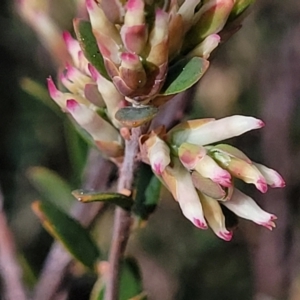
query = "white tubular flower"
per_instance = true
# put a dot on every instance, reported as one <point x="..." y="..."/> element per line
<point x="207" y="131"/>
<point x="215" y="218"/>
<point x="245" y="207"/>
<point x="179" y="182"/>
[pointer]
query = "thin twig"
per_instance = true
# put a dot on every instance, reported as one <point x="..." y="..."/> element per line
<point x="97" y="174"/>
<point x="122" y="219"/>
<point x="10" y="270"/>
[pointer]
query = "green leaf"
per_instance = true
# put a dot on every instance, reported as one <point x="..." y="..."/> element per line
<point x="38" y="91"/>
<point x="77" y="149"/>
<point x="69" y="232"/>
<point x="88" y="43"/>
<point x="148" y="189"/>
<point x="130" y="284"/>
<point x="51" y="187"/>
<point x="183" y="75"/>
<point x="135" y="116"/>
<point x="121" y="200"/>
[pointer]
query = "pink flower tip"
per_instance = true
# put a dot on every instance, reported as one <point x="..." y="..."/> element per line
<point x="158" y="169"/>
<point x="67" y="36"/>
<point x="53" y="91"/>
<point x="216" y="37"/>
<point x="200" y="224"/>
<point x="225" y="235"/>
<point x="269" y="224"/>
<point x="71" y="105"/>
<point x="93" y="72"/>
<point x="129" y="57"/>
<point x="90" y="4"/>
<point x="261" y="123"/>
<point x="223" y="179"/>
<point x="280" y="184"/>
<point x="134" y="4"/>
<point x="261" y="185"/>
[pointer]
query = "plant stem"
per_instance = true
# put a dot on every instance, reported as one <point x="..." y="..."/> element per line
<point x="56" y="265"/>
<point x="10" y="269"/>
<point x="122" y="219"/>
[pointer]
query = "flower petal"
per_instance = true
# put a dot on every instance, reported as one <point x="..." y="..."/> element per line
<point x="214" y="216"/>
<point x="245" y="207"/>
<point x="180" y="184"/>
<point x="272" y="177"/>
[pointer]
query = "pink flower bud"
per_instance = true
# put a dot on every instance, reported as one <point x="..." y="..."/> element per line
<point x="135" y="13"/>
<point x="190" y="155"/>
<point x="100" y="130"/>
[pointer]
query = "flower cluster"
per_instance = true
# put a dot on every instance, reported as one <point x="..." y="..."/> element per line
<point x="126" y="62"/>
<point x="200" y="176"/>
<point x="125" y="57"/>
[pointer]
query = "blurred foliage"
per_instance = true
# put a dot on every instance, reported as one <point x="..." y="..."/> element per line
<point x="32" y="135"/>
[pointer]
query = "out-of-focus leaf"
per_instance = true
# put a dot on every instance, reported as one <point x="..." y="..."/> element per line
<point x="130" y="284"/>
<point x="69" y="232"/>
<point x="51" y="187"/>
<point x="77" y="149"/>
<point x="136" y="116"/>
<point x="153" y="191"/>
<point x="39" y="92"/>
<point x="121" y="200"/>
<point x="88" y="43"/>
<point x="183" y="75"/>
<point x="29" y="276"/>
<point x="147" y="192"/>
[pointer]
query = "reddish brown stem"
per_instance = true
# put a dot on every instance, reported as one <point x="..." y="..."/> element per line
<point x="122" y="219"/>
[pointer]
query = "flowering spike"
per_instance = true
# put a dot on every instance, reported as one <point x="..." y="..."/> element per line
<point x="245" y="207"/>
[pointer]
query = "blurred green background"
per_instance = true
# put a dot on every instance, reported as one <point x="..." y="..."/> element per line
<point x="257" y="72"/>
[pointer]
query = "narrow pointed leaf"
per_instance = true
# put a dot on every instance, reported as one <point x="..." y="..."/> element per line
<point x="69" y="232"/>
<point x="114" y="198"/>
<point x="51" y="187"/>
<point x="183" y="75"/>
<point x="136" y="116"/>
<point x="88" y="43"/>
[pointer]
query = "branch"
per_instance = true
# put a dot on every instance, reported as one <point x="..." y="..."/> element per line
<point x="9" y="267"/>
<point x="56" y="266"/>
<point x="122" y="219"/>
